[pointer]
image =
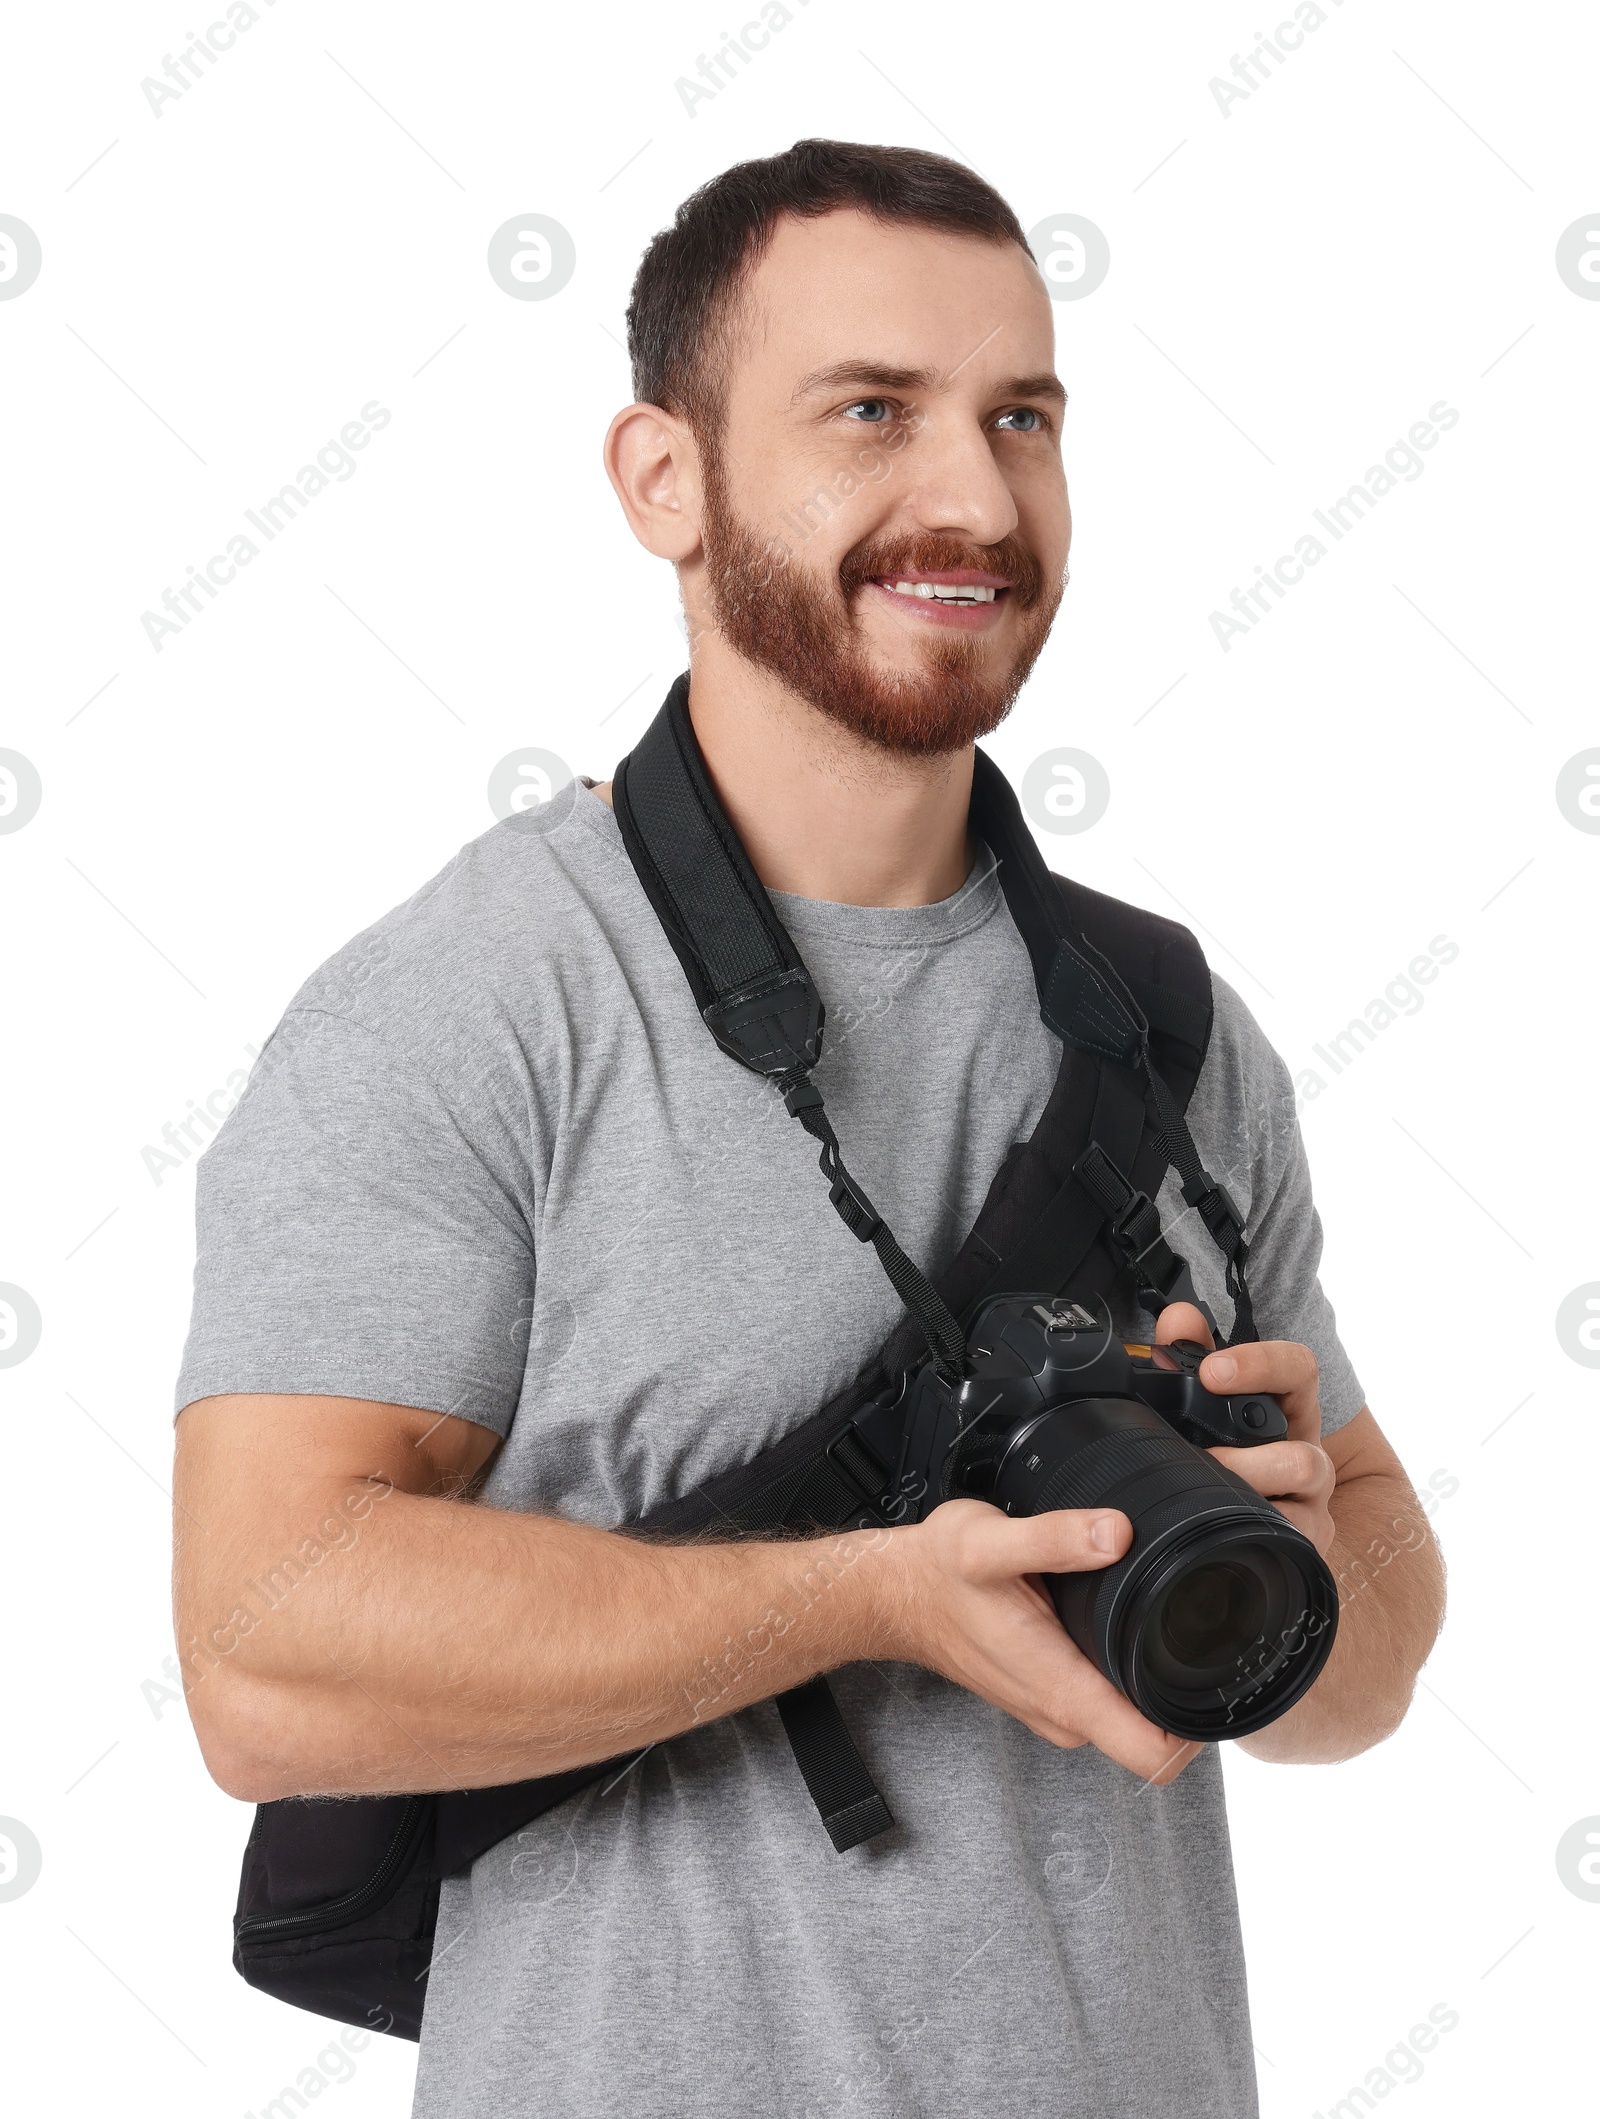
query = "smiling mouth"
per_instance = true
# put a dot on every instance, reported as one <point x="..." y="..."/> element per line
<point x="939" y="593"/>
<point x="958" y="593"/>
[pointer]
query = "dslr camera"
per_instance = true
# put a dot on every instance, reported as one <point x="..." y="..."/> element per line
<point x="1220" y="1614"/>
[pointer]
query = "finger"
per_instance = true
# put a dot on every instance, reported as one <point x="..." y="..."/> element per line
<point x="1094" y="1709"/>
<point x="1155" y="1755"/>
<point x="1279" y="1470"/>
<point x="1281" y="1366"/>
<point x="1182" y="1754"/>
<point x="1181" y="1320"/>
<point x="1062" y="1541"/>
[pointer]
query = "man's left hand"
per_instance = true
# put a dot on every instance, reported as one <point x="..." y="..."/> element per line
<point x="1297" y="1476"/>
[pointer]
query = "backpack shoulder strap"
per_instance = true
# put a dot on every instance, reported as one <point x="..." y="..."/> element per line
<point x="1163" y="967"/>
<point x="1085" y="1204"/>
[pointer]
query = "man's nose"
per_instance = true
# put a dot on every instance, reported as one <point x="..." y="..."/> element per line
<point x="954" y="486"/>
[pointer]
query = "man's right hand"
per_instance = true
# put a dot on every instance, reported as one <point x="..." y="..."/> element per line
<point x="973" y="1608"/>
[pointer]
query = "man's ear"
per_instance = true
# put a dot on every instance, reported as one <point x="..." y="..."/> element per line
<point x="654" y="465"/>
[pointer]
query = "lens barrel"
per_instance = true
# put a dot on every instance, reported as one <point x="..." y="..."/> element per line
<point x="1220" y="1614"/>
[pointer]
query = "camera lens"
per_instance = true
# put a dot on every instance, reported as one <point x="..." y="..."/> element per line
<point x="1203" y="1623"/>
<point x="1220" y="1614"/>
<point x="1228" y="1633"/>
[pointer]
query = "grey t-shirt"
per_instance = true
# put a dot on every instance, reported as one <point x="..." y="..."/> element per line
<point x="491" y="1164"/>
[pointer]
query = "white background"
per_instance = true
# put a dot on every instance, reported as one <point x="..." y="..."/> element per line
<point x="1368" y="233"/>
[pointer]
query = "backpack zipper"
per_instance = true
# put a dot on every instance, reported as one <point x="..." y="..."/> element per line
<point x="338" y="1912"/>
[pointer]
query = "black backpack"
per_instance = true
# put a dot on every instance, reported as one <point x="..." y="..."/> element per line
<point x="338" y="1898"/>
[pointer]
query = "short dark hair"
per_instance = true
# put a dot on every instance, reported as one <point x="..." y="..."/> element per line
<point x="688" y="281"/>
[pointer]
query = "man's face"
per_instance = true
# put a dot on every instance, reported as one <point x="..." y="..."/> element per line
<point x="885" y="522"/>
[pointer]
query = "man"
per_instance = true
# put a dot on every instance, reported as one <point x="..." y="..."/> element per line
<point x="495" y="1214"/>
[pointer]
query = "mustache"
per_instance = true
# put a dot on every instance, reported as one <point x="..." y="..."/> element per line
<point x="884" y="558"/>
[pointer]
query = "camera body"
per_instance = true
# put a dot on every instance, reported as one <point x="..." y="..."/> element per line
<point x="1221" y="1614"/>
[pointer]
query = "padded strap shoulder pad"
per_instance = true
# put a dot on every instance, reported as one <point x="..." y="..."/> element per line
<point x="748" y="980"/>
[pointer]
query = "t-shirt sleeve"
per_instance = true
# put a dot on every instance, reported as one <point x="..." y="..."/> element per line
<point x="1286" y="1289"/>
<point x="352" y="1242"/>
<point x="1249" y="1099"/>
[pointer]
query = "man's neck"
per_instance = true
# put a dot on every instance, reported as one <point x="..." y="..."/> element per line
<point x="820" y="812"/>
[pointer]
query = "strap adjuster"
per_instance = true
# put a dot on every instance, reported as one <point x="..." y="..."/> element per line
<point x="854" y="1208"/>
<point x="856" y="1462"/>
<point x="1216" y="1209"/>
<point x="1133" y="1222"/>
<point x="1133" y="1219"/>
<point x="1137" y="1226"/>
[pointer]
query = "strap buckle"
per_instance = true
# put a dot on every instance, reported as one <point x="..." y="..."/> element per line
<point x="1217" y="1210"/>
<point x="1133" y="1219"/>
<point x="1133" y="1222"/>
<point x="1136" y="1231"/>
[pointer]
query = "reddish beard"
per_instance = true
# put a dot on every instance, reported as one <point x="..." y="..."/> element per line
<point x="804" y="629"/>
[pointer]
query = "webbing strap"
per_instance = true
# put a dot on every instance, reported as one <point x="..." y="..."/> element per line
<point x="946" y="1340"/>
<point x="841" y="1787"/>
<point x="1216" y="1209"/>
<point x="758" y="999"/>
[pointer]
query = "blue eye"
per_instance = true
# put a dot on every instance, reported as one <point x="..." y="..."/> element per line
<point x="1026" y="412"/>
<point x="876" y="410"/>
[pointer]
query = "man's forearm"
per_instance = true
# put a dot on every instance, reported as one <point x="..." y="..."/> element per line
<point x="460" y="1646"/>
<point x="1391" y="1603"/>
<point x="404" y="1639"/>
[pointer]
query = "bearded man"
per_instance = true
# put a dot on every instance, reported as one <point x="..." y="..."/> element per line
<point x="496" y="1227"/>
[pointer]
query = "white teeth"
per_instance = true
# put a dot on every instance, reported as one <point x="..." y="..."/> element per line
<point x="944" y="593"/>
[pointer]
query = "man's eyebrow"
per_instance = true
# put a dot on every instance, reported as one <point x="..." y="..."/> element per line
<point x="878" y="375"/>
<point x="1044" y="384"/>
<point x="863" y="375"/>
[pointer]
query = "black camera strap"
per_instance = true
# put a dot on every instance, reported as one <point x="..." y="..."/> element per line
<point x="758" y="999"/>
